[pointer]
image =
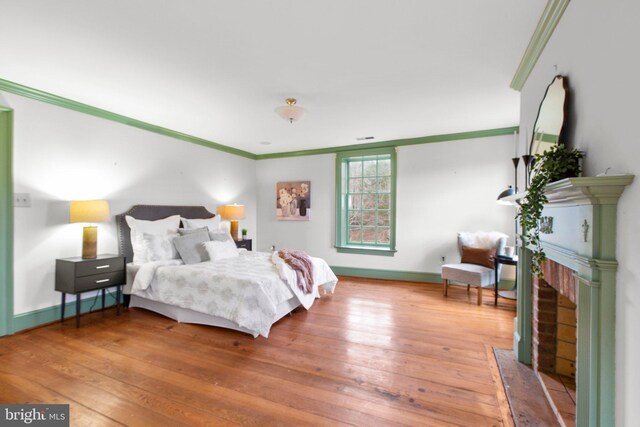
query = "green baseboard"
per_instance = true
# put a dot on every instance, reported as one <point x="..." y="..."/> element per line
<point x="406" y="276"/>
<point x="370" y="273"/>
<point x="42" y="316"/>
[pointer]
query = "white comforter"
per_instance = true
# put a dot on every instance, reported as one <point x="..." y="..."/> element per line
<point x="245" y="290"/>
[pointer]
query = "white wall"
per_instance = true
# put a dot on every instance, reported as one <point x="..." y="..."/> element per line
<point x="596" y="45"/>
<point x="442" y="188"/>
<point x="61" y="155"/>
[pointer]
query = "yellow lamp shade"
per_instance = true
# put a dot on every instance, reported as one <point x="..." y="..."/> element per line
<point x="231" y="212"/>
<point x="89" y="211"/>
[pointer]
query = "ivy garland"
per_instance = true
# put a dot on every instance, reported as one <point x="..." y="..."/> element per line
<point x="555" y="164"/>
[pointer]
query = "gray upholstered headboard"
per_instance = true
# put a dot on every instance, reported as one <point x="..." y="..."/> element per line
<point x="152" y="213"/>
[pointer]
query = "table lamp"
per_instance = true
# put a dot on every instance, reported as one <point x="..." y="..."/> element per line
<point x="89" y="211"/>
<point x="233" y="213"/>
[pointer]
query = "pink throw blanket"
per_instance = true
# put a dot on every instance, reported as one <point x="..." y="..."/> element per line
<point x="302" y="265"/>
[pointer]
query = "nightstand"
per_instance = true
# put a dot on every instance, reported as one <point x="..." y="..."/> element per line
<point x="77" y="275"/>
<point x="246" y="244"/>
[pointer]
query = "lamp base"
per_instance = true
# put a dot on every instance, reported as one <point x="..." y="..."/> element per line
<point x="90" y="242"/>
<point x="234" y="230"/>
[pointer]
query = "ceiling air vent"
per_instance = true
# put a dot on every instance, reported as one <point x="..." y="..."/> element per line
<point x="365" y="138"/>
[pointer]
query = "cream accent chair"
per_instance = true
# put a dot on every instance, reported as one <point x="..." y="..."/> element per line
<point x="471" y="274"/>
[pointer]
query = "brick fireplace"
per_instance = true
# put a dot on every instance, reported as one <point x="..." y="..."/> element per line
<point x="555" y="320"/>
<point x="554" y="348"/>
<point x="565" y="325"/>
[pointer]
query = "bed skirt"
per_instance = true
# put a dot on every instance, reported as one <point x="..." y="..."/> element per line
<point x="184" y="315"/>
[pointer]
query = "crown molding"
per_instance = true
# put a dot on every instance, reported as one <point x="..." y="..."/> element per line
<point x="39" y="95"/>
<point x="395" y="143"/>
<point x="551" y="15"/>
<point x="70" y="104"/>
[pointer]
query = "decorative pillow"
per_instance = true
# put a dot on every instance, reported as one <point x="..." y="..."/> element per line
<point x="185" y="231"/>
<point x="478" y="256"/>
<point x="482" y="239"/>
<point x="191" y="247"/>
<point x="139" y="226"/>
<point x="221" y="250"/>
<point x="159" y="247"/>
<point x="221" y="236"/>
<point x="212" y="223"/>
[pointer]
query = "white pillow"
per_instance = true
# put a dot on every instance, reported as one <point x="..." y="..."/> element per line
<point x="140" y="226"/>
<point x="221" y="250"/>
<point x="211" y="223"/>
<point x="221" y="236"/>
<point x="159" y="247"/>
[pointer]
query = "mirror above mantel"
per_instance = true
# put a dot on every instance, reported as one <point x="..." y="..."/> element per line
<point x="552" y="114"/>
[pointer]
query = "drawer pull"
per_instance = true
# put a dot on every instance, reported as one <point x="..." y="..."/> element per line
<point x="100" y="267"/>
<point x="102" y="281"/>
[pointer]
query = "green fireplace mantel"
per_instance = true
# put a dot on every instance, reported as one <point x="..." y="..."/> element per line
<point x="583" y="238"/>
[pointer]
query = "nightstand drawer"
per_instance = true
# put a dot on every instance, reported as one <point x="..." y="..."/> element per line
<point x="98" y="281"/>
<point x="246" y="244"/>
<point x="99" y="266"/>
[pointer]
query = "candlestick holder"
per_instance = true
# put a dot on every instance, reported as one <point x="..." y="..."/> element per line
<point x="528" y="160"/>
<point x="516" y="161"/>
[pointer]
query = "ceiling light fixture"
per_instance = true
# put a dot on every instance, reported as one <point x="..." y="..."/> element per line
<point x="291" y="111"/>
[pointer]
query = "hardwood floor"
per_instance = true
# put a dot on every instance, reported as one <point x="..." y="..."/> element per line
<point x="376" y="353"/>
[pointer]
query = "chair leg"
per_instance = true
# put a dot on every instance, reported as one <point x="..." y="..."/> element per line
<point x="468" y="288"/>
<point x="445" y="287"/>
<point x="479" y="295"/>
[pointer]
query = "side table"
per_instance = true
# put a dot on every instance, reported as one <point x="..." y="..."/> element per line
<point x="511" y="293"/>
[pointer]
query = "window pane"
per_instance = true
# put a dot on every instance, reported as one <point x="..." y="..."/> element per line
<point x="383" y="218"/>
<point x="368" y="235"/>
<point x="355" y="218"/>
<point x="369" y="218"/>
<point x="383" y="201"/>
<point x="355" y="202"/>
<point x="384" y="184"/>
<point x="355" y="185"/>
<point x="369" y="167"/>
<point x="366" y="214"/>
<point x="384" y="167"/>
<point x="368" y="201"/>
<point x="355" y="235"/>
<point x="355" y="169"/>
<point x="383" y="236"/>
<point x="369" y="185"/>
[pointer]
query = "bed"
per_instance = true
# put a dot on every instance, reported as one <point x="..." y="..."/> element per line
<point x="248" y="293"/>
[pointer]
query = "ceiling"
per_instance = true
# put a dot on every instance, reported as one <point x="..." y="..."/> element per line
<point x="218" y="69"/>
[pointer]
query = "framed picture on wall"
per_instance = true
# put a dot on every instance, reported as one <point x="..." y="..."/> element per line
<point x="293" y="201"/>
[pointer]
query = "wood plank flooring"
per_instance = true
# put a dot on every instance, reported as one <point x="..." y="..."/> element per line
<point x="376" y="353"/>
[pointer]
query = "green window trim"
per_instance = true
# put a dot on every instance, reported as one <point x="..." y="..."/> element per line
<point x="385" y="189"/>
<point x="364" y="250"/>
<point x="6" y="221"/>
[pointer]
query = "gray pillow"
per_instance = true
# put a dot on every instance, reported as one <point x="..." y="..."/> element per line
<point x="191" y="247"/>
<point x="185" y="231"/>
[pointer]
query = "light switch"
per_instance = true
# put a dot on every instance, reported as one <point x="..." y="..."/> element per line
<point x="21" y="200"/>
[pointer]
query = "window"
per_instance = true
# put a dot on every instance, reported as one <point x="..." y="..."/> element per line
<point x="365" y="201"/>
